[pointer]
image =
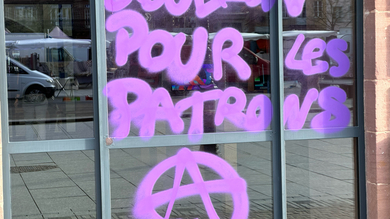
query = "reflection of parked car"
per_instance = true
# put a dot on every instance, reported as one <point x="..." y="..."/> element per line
<point x="23" y="81"/>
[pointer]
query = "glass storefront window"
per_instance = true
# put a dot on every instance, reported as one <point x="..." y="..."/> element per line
<point x="321" y="180"/>
<point x="319" y="68"/>
<point x="187" y="73"/>
<point x="53" y="185"/>
<point x="49" y="70"/>
<point x="238" y="179"/>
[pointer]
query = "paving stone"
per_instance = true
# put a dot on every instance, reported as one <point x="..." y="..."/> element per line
<point x="317" y="187"/>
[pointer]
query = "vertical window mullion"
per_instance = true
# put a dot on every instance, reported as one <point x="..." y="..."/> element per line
<point x="99" y="80"/>
<point x="4" y="122"/>
<point x="277" y="97"/>
<point x="361" y="167"/>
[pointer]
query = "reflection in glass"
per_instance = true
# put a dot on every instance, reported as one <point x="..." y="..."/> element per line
<point x="198" y="71"/>
<point x="252" y="162"/>
<point x="49" y="70"/>
<point x="53" y="185"/>
<point x="321" y="178"/>
<point x="319" y="54"/>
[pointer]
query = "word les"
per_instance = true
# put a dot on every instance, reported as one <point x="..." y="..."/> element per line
<point x="315" y="49"/>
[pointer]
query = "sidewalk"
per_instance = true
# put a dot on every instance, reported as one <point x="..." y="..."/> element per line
<point x="320" y="175"/>
<point x="320" y="181"/>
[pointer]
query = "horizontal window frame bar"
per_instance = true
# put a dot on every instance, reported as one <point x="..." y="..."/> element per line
<point x="179" y="140"/>
<point x="50" y="146"/>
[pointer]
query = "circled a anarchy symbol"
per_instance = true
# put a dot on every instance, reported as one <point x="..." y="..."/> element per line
<point x="146" y="202"/>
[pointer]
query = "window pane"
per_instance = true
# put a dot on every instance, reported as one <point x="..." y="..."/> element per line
<point x="319" y="66"/>
<point x="53" y="185"/>
<point x="151" y="173"/>
<point x="208" y="70"/>
<point x="321" y="179"/>
<point x="49" y="70"/>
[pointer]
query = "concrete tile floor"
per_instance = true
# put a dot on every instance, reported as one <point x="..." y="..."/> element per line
<point x="317" y="186"/>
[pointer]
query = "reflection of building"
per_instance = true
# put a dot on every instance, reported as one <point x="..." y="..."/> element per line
<point x="295" y="23"/>
<point x="72" y="18"/>
<point x="320" y="15"/>
<point x="328" y="14"/>
<point x="236" y="15"/>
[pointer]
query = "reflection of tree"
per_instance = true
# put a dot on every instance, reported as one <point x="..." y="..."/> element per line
<point x="331" y="14"/>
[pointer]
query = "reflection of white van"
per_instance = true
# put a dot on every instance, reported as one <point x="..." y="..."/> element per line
<point x="23" y="81"/>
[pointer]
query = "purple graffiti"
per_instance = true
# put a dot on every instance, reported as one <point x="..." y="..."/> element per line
<point x="336" y="115"/>
<point x="123" y="112"/>
<point x="293" y="117"/>
<point x="177" y="9"/>
<point x="313" y="50"/>
<point x="146" y="202"/>
<point x="334" y="50"/>
<point x="170" y="58"/>
<point x="144" y="111"/>
<point x="126" y="45"/>
<point x="267" y="5"/>
<point x="151" y="106"/>
<point x="261" y="121"/>
<point x="334" y="119"/>
<point x="205" y="9"/>
<point x="166" y="112"/>
<point x="310" y="53"/>
<point x="294" y="7"/>
<point x="196" y="101"/>
<point x="161" y="62"/>
<point x="231" y="111"/>
<point x="194" y="64"/>
<point x="116" y="5"/>
<point x="151" y="5"/>
<point x="230" y="54"/>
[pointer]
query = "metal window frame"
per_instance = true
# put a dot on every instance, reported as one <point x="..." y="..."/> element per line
<point x="279" y="192"/>
<point x="277" y="135"/>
